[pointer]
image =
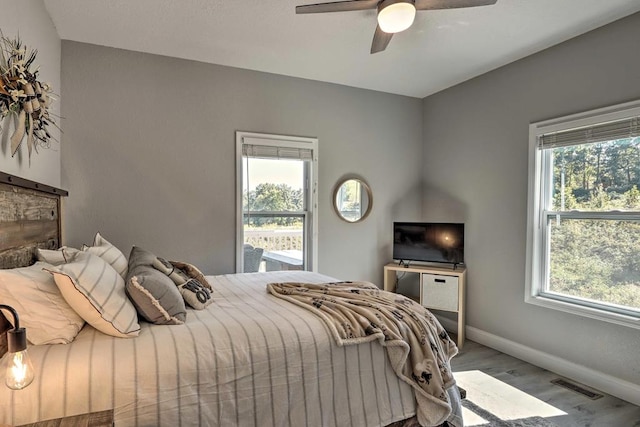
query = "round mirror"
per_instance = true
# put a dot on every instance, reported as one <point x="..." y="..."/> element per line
<point x="352" y="199"/>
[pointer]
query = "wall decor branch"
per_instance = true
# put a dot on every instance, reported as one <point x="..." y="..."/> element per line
<point x="22" y="97"/>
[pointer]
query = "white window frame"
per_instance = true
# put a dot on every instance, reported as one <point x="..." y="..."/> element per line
<point x="284" y="141"/>
<point x="537" y="263"/>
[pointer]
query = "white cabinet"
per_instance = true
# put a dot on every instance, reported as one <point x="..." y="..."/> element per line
<point x="441" y="288"/>
<point x="439" y="292"/>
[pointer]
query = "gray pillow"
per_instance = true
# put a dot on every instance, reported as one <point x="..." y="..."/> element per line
<point x="155" y="296"/>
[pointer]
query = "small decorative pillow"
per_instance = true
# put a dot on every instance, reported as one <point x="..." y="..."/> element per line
<point x="155" y="296"/>
<point x="193" y="292"/>
<point x="41" y="308"/>
<point x="96" y="292"/>
<point x="193" y="272"/>
<point x="196" y="295"/>
<point x="108" y="252"/>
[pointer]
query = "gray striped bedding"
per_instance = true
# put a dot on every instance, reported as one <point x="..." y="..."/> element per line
<point x="249" y="359"/>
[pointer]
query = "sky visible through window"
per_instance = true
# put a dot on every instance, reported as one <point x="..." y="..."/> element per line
<point x="259" y="171"/>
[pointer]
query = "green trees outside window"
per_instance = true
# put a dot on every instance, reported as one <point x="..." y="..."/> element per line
<point x="594" y="236"/>
<point x="271" y="197"/>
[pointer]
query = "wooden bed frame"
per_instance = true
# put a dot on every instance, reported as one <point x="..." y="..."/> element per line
<point x="29" y="219"/>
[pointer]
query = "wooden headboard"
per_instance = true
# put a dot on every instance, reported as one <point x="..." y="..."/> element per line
<point x="29" y="219"/>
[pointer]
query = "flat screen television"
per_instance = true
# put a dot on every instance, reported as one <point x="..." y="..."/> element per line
<point x="428" y="242"/>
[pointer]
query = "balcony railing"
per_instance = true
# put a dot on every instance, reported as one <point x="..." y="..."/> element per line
<point x="274" y="240"/>
<point x="272" y="237"/>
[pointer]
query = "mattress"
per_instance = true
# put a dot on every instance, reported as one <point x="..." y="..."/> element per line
<point x="249" y="359"/>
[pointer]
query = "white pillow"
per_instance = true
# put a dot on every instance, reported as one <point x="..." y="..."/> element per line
<point x="108" y="252"/>
<point x="42" y="310"/>
<point x="54" y="257"/>
<point x="96" y="292"/>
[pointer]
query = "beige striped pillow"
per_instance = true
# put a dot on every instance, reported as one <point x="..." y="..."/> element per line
<point x="96" y="292"/>
<point x="108" y="252"/>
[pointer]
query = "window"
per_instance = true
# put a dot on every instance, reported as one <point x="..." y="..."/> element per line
<point x="276" y="182"/>
<point x="583" y="250"/>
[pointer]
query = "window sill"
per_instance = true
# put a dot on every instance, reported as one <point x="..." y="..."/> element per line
<point x="579" y="310"/>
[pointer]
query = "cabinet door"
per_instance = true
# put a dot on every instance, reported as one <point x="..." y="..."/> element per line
<point x="440" y="292"/>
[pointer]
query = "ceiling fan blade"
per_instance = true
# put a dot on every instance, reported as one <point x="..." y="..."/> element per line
<point x="451" y="4"/>
<point x="338" y="6"/>
<point x="380" y="40"/>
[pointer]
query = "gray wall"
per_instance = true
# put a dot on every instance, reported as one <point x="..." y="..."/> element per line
<point x="149" y="155"/>
<point x="30" y="20"/>
<point x="475" y="170"/>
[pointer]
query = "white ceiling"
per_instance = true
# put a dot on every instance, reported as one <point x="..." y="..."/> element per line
<point x="441" y="49"/>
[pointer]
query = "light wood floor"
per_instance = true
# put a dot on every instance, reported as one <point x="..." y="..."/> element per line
<point x="512" y="389"/>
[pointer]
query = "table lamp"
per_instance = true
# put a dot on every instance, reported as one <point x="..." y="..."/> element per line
<point x="19" y="368"/>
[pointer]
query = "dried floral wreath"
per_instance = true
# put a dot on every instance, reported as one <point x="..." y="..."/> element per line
<point x="23" y="97"/>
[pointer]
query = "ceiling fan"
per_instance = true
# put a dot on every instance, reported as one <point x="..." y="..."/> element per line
<point x="394" y="16"/>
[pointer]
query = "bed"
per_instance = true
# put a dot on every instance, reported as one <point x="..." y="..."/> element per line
<point x="249" y="359"/>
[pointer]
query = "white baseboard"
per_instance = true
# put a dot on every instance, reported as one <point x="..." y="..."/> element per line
<point x="608" y="384"/>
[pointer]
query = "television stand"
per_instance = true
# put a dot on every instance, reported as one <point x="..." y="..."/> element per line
<point x="441" y="288"/>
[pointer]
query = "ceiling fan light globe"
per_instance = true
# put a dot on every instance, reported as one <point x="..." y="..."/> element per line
<point x="396" y="16"/>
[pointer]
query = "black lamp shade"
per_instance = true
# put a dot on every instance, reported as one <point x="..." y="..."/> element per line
<point x="17" y="340"/>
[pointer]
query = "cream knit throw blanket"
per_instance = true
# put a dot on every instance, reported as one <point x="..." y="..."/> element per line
<point x="417" y="346"/>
